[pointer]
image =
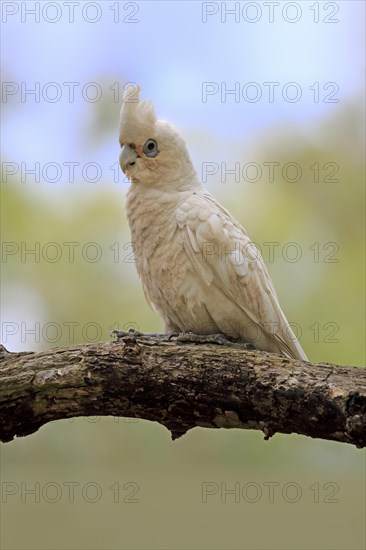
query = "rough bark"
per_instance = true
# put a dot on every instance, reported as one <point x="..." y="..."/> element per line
<point x="182" y="385"/>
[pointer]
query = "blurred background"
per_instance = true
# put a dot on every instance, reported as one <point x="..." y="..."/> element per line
<point x="269" y="97"/>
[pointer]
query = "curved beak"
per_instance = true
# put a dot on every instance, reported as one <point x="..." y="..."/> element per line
<point x="127" y="158"/>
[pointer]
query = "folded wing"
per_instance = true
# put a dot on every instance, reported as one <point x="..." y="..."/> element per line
<point x="224" y="259"/>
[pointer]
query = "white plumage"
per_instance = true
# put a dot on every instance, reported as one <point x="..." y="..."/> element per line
<point x="198" y="267"/>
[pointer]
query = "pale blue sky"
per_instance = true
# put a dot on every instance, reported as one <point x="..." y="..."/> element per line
<point x="171" y="52"/>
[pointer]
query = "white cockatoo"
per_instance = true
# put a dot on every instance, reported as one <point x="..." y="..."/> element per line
<point x="198" y="267"/>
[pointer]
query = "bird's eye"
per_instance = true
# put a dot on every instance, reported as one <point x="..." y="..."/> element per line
<point x="150" y="148"/>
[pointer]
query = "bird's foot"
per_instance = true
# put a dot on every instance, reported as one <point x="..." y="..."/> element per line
<point x="121" y="334"/>
<point x="183" y="337"/>
<point x="219" y="339"/>
<point x="133" y="334"/>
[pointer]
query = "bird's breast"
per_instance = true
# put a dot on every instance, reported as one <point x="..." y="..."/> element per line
<point x="167" y="274"/>
<point x="157" y="243"/>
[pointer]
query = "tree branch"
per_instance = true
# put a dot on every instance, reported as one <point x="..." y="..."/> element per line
<point x="182" y="385"/>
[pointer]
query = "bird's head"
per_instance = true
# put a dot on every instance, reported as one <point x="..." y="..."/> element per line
<point x="152" y="152"/>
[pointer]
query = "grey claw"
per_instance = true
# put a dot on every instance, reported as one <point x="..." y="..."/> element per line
<point x="131" y="333"/>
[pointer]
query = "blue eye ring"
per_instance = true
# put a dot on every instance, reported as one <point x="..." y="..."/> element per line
<point x="150" y="148"/>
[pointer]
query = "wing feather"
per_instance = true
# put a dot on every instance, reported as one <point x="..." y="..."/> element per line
<point x="222" y="255"/>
